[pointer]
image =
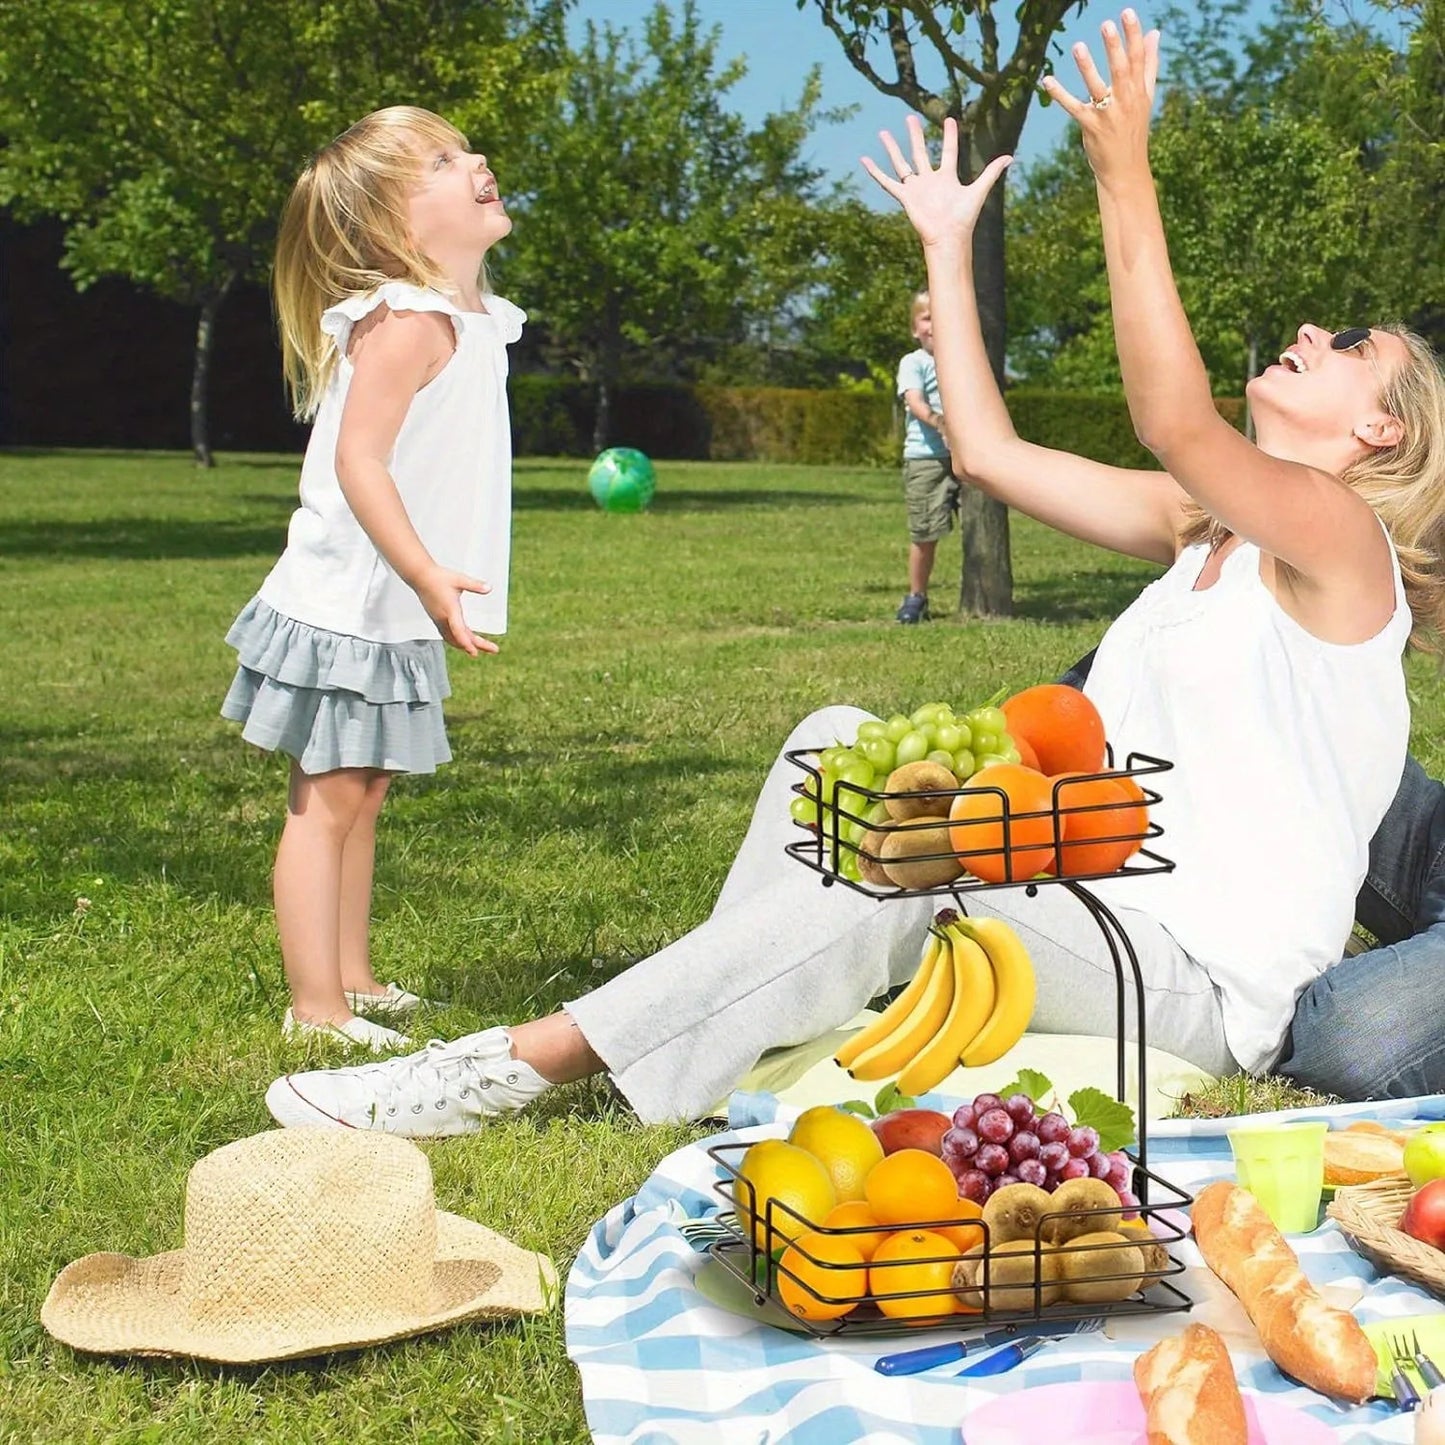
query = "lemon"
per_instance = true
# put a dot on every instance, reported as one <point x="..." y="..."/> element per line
<point x="844" y="1144"/>
<point x="782" y="1174"/>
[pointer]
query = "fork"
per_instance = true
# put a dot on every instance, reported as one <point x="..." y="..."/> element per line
<point x="1406" y="1395"/>
<point x="1425" y="1365"/>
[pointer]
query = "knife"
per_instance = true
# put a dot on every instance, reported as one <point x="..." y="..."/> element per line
<point x="1006" y="1358"/>
<point x="911" y="1362"/>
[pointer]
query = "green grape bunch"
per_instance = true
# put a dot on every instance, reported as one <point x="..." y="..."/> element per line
<point x="963" y="742"/>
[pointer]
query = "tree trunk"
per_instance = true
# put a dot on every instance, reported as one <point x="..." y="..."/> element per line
<point x="986" y="587"/>
<point x="609" y="365"/>
<point x="201" y="371"/>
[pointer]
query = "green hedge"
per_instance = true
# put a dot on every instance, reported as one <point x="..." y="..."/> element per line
<point x="553" y="416"/>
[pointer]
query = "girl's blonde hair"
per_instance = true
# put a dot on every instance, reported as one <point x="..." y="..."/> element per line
<point x="1405" y="484"/>
<point x="344" y="232"/>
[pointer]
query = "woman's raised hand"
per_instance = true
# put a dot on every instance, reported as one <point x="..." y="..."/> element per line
<point x="1114" y="120"/>
<point x="938" y="204"/>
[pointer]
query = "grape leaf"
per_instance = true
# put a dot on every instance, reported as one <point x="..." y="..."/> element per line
<point x="1030" y="1082"/>
<point x="1113" y="1120"/>
<point x="888" y="1099"/>
<point x="861" y="1107"/>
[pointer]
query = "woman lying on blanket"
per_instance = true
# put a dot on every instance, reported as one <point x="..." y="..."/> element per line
<point x="1266" y="663"/>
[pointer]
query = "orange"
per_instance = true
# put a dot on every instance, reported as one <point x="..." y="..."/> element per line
<point x="842" y="1142"/>
<point x="782" y="1175"/>
<point x="856" y="1214"/>
<point x="908" y="1261"/>
<point x="963" y="1237"/>
<point x="1027" y="756"/>
<point x="911" y="1186"/>
<point x="821" y="1276"/>
<point x="1129" y="785"/>
<point x="980" y="816"/>
<point x="1060" y="724"/>
<point x="1097" y="842"/>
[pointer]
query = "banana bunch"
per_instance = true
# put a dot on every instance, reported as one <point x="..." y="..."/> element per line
<point x="969" y="1003"/>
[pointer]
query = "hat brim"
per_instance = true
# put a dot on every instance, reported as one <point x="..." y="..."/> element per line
<point x="114" y="1304"/>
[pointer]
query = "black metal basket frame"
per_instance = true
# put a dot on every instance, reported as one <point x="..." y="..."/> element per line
<point x="822" y="852"/>
<point x="760" y="1268"/>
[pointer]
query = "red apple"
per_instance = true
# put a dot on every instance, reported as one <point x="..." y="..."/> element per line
<point x="912" y="1129"/>
<point x="1424" y="1215"/>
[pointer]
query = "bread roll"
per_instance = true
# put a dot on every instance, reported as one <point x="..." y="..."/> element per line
<point x="1312" y="1342"/>
<point x="1356" y="1156"/>
<point x="1189" y="1391"/>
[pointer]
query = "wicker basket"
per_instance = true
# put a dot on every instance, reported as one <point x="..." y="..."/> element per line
<point x="1370" y="1215"/>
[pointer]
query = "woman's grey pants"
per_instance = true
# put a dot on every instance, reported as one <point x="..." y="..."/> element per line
<point x="783" y="959"/>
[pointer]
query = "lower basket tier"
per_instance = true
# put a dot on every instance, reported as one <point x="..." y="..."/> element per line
<point x="958" y="1272"/>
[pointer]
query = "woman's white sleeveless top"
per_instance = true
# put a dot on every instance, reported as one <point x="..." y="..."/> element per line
<point x="452" y="464"/>
<point x="1287" y="751"/>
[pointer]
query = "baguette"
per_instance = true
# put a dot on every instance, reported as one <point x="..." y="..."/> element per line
<point x="1312" y="1342"/>
<point x="1189" y="1391"/>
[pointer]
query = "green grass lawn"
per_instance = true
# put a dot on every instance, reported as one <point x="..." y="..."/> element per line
<point x="605" y="765"/>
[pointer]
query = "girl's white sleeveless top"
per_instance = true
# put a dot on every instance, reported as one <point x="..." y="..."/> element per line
<point x="452" y="464"/>
<point x="1287" y="751"/>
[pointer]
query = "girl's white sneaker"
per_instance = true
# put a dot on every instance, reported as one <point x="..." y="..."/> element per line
<point x="393" y="1002"/>
<point x="354" y="1031"/>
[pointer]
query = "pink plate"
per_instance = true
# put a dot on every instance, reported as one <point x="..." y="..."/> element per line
<point x="1111" y="1414"/>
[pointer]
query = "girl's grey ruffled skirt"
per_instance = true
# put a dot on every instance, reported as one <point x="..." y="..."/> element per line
<point x="332" y="701"/>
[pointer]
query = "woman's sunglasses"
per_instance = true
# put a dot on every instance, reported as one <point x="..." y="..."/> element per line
<point x="1354" y="338"/>
<point x="1349" y="338"/>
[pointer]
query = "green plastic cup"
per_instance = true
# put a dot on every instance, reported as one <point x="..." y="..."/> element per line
<point x="1283" y="1166"/>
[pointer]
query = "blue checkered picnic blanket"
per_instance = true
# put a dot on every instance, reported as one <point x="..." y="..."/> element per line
<point x="661" y="1363"/>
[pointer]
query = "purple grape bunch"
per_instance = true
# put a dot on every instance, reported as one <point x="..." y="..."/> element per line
<point x="995" y="1142"/>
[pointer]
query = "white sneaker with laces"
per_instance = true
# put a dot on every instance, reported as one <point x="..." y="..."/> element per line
<point x="392" y="1002"/>
<point x="353" y="1031"/>
<point x="444" y="1089"/>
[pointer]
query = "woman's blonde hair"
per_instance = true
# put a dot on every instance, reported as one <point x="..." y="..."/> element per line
<point x="344" y="232"/>
<point x="1405" y="484"/>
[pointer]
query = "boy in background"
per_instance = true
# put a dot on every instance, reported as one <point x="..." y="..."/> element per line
<point x="929" y="487"/>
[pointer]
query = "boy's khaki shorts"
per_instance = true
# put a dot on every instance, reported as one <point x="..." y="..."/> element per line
<point x="931" y="492"/>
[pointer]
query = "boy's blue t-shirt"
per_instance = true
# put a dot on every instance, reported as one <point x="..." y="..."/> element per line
<point x="916" y="372"/>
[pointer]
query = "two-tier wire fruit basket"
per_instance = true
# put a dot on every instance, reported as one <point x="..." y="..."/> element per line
<point x="752" y="1248"/>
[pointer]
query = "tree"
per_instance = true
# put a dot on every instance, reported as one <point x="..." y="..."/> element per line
<point x="1412" y="219"/>
<point x="1286" y="169"/>
<point x="657" y="230"/>
<point x="165" y="136"/>
<point x="988" y="94"/>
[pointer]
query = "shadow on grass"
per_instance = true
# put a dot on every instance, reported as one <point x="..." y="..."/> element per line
<point x="138" y="539"/>
<point x="86" y="809"/>
<point x="566" y="499"/>
<point x="1078" y="596"/>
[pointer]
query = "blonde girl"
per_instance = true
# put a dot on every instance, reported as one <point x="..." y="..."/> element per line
<point x="395" y="350"/>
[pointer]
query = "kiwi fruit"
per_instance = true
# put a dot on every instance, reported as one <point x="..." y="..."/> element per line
<point x="869" y="868"/>
<point x="920" y="777"/>
<point x="1156" y="1257"/>
<point x="1063" y="1218"/>
<point x="1014" y="1211"/>
<point x="1090" y="1263"/>
<point x="905" y="853"/>
<point x="966" y="1270"/>
<point x="1010" y="1271"/>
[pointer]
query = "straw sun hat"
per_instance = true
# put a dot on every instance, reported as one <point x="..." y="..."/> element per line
<point x="298" y="1242"/>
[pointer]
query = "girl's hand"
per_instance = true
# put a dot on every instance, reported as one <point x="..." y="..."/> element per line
<point x="441" y="594"/>
<point x="938" y="204"/>
<point x="1114" y="120"/>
